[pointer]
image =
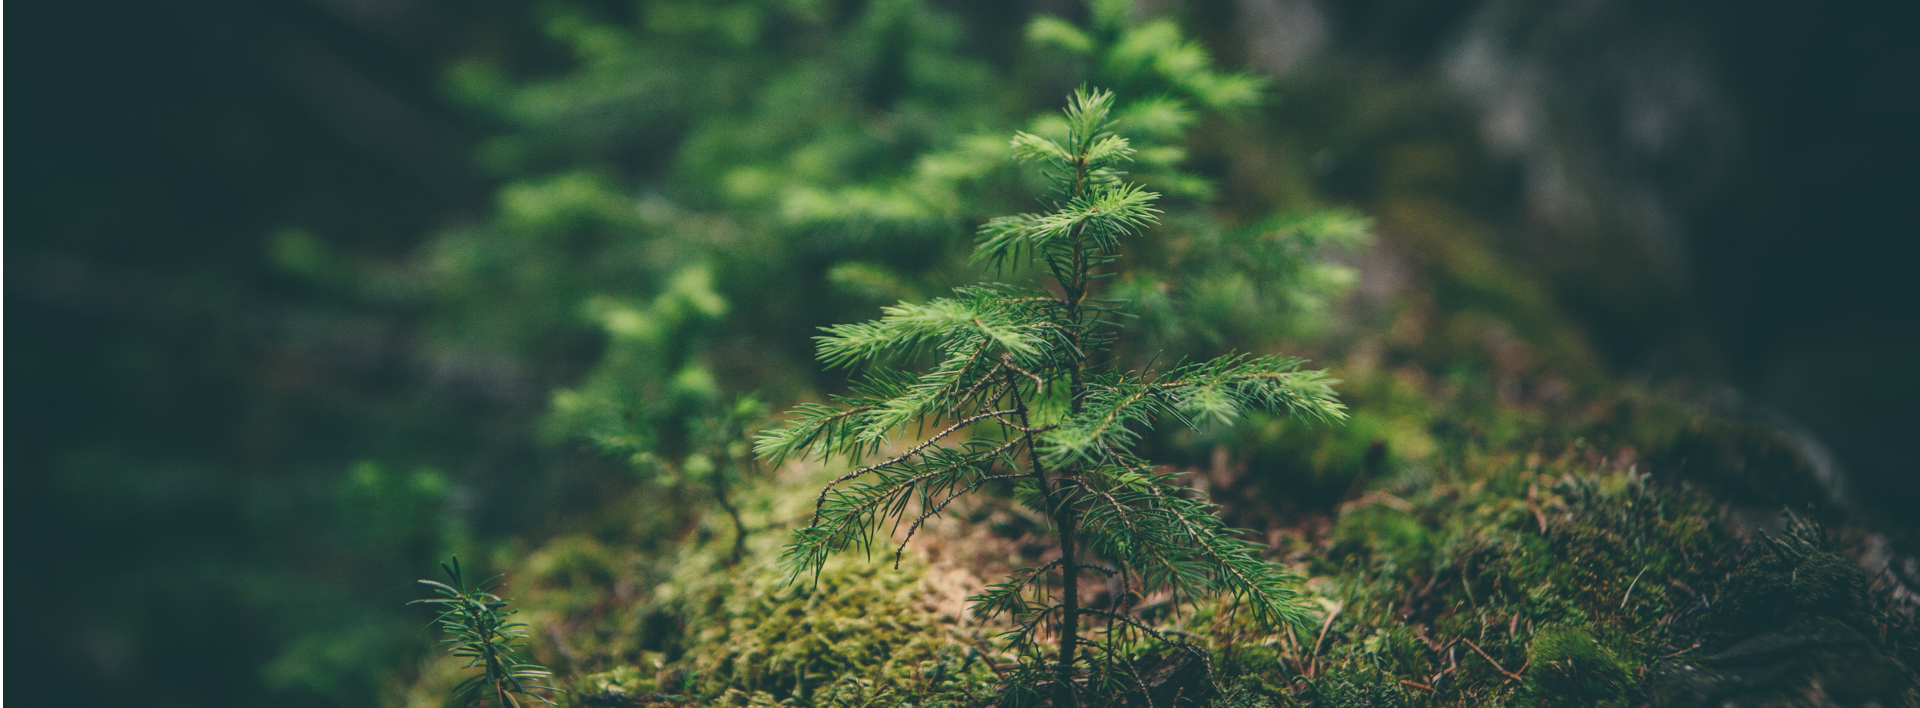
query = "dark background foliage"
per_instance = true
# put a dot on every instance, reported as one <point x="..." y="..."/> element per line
<point x="183" y="412"/>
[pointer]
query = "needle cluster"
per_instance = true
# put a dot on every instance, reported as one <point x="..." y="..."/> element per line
<point x="1024" y="394"/>
<point x="478" y="628"/>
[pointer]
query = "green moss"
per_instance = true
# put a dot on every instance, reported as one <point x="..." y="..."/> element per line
<point x="1359" y="689"/>
<point x="1568" y="668"/>
<point x="1247" y="693"/>
<point x="1393" y="536"/>
<point x="580" y="593"/>
<point x="756" y="632"/>
<point x="1510" y="579"/>
<point x="619" y="685"/>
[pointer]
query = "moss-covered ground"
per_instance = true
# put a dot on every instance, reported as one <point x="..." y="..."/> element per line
<point x="1501" y="522"/>
<point x="1481" y="573"/>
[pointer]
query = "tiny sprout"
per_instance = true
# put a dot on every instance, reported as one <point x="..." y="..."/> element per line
<point x="475" y="621"/>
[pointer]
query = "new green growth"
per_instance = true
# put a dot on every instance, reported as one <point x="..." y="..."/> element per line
<point x="1026" y="396"/>
<point x="478" y="629"/>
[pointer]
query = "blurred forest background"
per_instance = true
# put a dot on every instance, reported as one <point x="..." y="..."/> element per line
<point x="291" y="284"/>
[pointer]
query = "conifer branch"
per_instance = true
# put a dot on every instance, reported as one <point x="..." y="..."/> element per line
<point x="897" y="459"/>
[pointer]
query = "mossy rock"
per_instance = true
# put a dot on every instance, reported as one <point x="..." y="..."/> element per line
<point x="1793" y="625"/>
<point x="1789" y="578"/>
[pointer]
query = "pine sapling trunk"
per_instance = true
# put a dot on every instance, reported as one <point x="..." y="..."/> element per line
<point x="1069" y="601"/>
<point x="1072" y="291"/>
<point x="1069" y="581"/>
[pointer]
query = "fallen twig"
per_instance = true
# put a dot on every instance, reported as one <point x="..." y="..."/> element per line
<point x="1696" y="645"/>
<point x="1630" y="587"/>
<point x="1496" y="664"/>
<point x="1313" y="660"/>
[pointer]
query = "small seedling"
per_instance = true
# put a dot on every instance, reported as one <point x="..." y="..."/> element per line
<point x="477" y="627"/>
<point x="1028" y="395"/>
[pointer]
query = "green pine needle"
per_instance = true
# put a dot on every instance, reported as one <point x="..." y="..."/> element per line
<point x="478" y="629"/>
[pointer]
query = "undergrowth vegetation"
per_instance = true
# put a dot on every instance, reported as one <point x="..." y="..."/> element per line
<point x="1516" y="579"/>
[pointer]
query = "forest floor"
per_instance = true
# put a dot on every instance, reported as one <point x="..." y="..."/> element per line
<point x="1479" y="574"/>
<point x="1499" y="522"/>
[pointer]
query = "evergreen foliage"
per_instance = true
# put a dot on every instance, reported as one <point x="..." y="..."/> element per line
<point x="1026" y="395"/>
<point x="479" y="631"/>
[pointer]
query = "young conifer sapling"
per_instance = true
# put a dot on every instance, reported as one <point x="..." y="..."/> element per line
<point x="1025" y="394"/>
<point x="479" y="629"/>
